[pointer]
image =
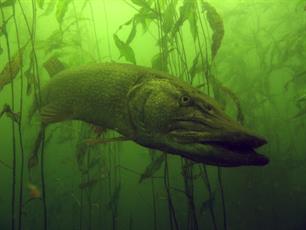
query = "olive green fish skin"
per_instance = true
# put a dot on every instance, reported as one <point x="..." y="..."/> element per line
<point x="152" y="108"/>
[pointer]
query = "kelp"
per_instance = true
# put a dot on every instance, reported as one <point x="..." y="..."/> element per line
<point x="186" y="10"/>
<point x="10" y="113"/>
<point x="50" y="8"/>
<point x="12" y="68"/>
<point x="152" y="168"/>
<point x="7" y="3"/>
<point x="143" y="3"/>
<point x="93" y="164"/>
<point x="53" y="42"/>
<point x="145" y="14"/>
<point x="125" y="49"/>
<point x="5" y="164"/>
<point x="87" y="184"/>
<point x="210" y="202"/>
<point x="30" y="77"/>
<point x="33" y="159"/>
<point x="216" y="24"/>
<point x="301" y="113"/>
<point x="113" y="203"/>
<point x="61" y="10"/>
<point x="41" y="3"/>
<point x="168" y="20"/>
<point x="3" y="30"/>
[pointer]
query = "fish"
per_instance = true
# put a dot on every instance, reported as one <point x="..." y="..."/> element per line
<point x="152" y="108"/>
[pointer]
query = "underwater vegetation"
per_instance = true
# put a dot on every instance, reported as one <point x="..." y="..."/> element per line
<point x="122" y="114"/>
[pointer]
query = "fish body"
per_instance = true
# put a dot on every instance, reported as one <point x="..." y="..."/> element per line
<point x="152" y="108"/>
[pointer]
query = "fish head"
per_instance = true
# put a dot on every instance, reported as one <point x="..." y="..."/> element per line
<point x="172" y="116"/>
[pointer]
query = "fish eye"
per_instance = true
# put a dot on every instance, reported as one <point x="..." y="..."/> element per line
<point x="185" y="100"/>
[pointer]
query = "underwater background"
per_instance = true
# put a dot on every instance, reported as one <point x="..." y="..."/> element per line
<point x="250" y="55"/>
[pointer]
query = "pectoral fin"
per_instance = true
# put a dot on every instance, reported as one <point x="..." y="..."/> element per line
<point x="52" y="113"/>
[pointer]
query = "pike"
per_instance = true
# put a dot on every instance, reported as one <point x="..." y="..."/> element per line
<point x="151" y="108"/>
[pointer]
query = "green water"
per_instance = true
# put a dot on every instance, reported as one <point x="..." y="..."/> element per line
<point x="251" y="53"/>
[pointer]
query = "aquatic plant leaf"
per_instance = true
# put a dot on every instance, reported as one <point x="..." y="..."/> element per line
<point x="142" y="3"/>
<point x="113" y="203"/>
<point x="93" y="163"/>
<point x="7" y="3"/>
<point x="10" y="113"/>
<point x="193" y="68"/>
<point x="3" y="30"/>
<point x="88" y="184"/>
<point x="193" y="21"/>
<point x="12" y="68"/>
<point x="40" y="3"/>
<point x="53" y="42"/>
<point x="125" y="50"/>
<point x="185" y="12"/>
<point x="216" y="24"/>
<point x="236" y="100"/>
<point x="208" y="203"/>
<point x="301" y="113"/>
<point x="152" y="168"/>
<point x="5" y="164"/>
<point x="145" y="17"/>
<point x="160" y="62"/>
<point x="168" y="17"/>
<point x="61" y="10"/>
<point x="33" y="160"/>
<point x="50" y="8"/>
<point x="220" y="93"/>
<point x="132" y="33"/>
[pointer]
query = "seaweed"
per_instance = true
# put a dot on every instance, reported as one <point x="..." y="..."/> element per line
<point x="61" y="10"/>
<point x="12" y="68"/>
<point x="186" y="10"/>
<point x="113" y="203"/>
<point x="216" y="24"/>
<point x="152" y="168"/>
<point x="125" y="49"/>
<point x="15" y="116"/>
<point x="7" y="3"/>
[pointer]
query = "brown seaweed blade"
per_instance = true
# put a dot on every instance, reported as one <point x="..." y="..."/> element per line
<point x="12" y="68"/>
<point x="152" y="168"/>
<point x="216" y="24"/>
<point x="10" y="113"/>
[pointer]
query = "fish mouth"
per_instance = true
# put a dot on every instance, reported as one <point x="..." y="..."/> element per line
<point x="226" y="144"/>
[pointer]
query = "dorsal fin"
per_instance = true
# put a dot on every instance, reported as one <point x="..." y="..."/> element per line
<point x="53" y="66"/>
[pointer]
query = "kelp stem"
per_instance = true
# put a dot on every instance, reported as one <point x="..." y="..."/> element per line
<point x="20" y="126"/>
<point x="205" y="178"/>
<point x="222" y="198"/>
<point x="172" y="215"/>
<point x="12" y="127"/>
<point x="43" y="183"/>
